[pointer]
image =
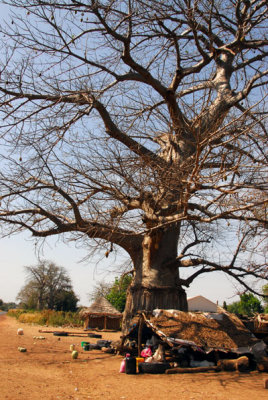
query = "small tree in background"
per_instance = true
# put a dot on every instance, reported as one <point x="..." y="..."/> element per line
<point x="29" y="296"/>
<point x="248" y="305"/>
<point x="48" y="287"/>
<point x="6" y="306"/>
<point x="118" y="292"/>
<point x="115" y="292"/>
<point x="66" y="300"/>
<point x="101" y="289"/>
<point x="265" y="292"/>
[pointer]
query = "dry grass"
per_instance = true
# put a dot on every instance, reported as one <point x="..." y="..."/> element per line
<point x="47" y="317"/>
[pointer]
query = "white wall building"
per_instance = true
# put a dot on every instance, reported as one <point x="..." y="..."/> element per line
<point x="200" y="303"/>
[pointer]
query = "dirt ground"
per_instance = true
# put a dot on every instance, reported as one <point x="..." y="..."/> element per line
<point x="47" y="371"/>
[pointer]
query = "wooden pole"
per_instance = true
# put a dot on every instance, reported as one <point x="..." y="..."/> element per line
<point x="192" y="370"/>
<point x="67" y="332"/>
<point x="141" y="322"/>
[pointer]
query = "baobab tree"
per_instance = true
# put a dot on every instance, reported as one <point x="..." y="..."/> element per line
<point x="48" y="286"/>
<point x="140" y="125"/>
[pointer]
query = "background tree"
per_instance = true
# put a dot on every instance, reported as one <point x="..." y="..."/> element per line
<point x="118" y="292"/>
<point x="115" y="292"/>
<point x="142" y="126"/>
<point x="265" y="292"/>
<point x="48" y="287"/>
<point x="248" y="305"/>
<point x="28" y="297"/>
<point x="101" y="289"/>
<point x="6" y="306"/>
<point x="66" y="300"/>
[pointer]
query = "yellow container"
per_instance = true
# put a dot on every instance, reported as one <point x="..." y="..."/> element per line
<point x="139" y="360"/>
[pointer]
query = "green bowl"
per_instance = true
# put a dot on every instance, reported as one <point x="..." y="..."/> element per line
<point x="83" y="343"/>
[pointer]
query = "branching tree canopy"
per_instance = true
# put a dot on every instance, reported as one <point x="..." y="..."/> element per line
<point x="140" y="125"/>
<point x="114" y="292"/>
<point x="48" y="287"/>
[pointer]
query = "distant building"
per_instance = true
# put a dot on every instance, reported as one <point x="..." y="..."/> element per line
<point x="200" y="303"/>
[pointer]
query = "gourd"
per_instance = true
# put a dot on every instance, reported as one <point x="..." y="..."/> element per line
<point x="74" y="354"/>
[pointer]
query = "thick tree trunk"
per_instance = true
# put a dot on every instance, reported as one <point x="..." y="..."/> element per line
<point x="156" y="282"/>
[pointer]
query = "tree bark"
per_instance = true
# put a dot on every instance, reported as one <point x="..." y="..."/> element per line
<point x="156" y="282"/>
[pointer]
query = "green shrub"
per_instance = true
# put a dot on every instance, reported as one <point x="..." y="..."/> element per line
<point x="61" y="318"/>
<point x="248" y="305"/>
<point x="56" y="318"/>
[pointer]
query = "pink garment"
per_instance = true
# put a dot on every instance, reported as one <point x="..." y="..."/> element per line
<point x="146" y="352"/>
<point x="123" y="366"/>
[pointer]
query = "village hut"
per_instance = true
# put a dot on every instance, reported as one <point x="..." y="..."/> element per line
<point x="101" y="315"/>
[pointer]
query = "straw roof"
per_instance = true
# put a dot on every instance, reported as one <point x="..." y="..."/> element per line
<point x="209" y="330"/>
<point x="101" y="307"/>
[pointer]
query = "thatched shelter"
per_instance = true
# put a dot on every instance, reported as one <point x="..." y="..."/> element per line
<point x="101" y="315"/>
<point x="209" y="331"/>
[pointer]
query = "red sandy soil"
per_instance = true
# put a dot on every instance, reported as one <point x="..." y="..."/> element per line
<point x="47" y="372"/>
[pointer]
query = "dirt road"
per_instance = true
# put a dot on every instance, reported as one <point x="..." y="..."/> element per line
<point x="47" y="372"/>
